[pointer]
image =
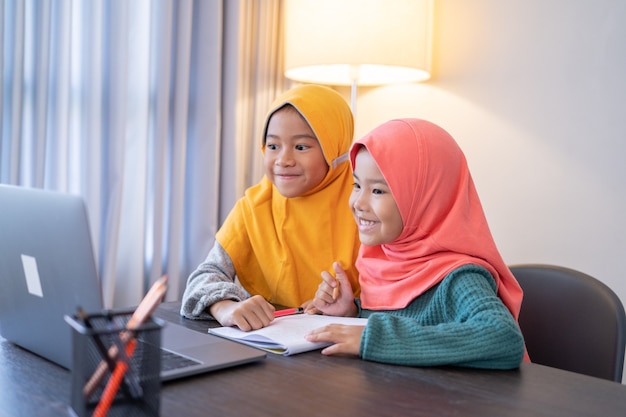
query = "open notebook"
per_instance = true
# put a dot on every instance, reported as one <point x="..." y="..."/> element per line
<point x="47" y="270"/>
<point x="285" y="335"/>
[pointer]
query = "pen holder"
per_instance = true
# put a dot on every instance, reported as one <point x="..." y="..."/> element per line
<point x="115" y="372"/>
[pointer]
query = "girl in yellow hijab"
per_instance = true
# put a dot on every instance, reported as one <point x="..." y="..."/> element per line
<point x="290" y="226"/>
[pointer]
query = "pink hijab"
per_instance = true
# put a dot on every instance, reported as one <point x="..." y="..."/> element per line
<point x="444" y="223"/>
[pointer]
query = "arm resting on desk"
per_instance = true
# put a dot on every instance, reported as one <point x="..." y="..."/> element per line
<point x="214" y="280"/>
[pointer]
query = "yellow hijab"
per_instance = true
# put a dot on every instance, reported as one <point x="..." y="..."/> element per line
<point x="279" y="246"/>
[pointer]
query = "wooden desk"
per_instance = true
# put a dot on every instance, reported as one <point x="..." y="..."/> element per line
<point x="311" y="384"/>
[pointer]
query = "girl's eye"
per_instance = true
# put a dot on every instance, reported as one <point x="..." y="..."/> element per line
<point x="302" y="147"/>
<point x="377" y="191"/>
<point x="356" y="186"/>
<point x="271" y="146"/>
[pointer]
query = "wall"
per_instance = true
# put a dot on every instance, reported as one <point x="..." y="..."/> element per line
<point x="534" y="92"/>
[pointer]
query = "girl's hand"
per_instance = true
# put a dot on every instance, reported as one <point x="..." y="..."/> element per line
<point x="346" y="339"/>
<point x="250" y="314"/>
<point x="309" y="308"/>
<point x="334" y="295"/>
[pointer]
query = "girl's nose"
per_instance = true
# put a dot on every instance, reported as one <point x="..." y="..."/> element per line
<point x="285" y="158"/>
<point x="359" y="201"/>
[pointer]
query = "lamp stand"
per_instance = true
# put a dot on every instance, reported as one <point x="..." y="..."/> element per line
<point x="355" y="72"/>
<point x="353" y="97"/>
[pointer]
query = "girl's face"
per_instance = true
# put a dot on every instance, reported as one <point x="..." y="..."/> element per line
<point x="293" y="158"/>
<point x="374" y="208"/>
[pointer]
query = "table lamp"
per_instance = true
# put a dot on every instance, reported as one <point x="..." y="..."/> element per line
<point x="357" y="42"/>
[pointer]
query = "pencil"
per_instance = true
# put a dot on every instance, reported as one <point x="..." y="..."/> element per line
<point x="288" y="312"/>
<point x="82" y="314"/>
<point x="141" y="314"/>
<point x="336" y="290"/>
<point x="114" y="382"/>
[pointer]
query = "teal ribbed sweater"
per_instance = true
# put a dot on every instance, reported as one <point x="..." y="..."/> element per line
<point x="461" y="321"/>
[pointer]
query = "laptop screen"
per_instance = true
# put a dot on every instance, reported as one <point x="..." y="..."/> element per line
<point x="47" y="269"/>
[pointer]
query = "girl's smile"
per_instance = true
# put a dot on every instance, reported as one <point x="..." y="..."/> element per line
<point x="373" y="206"/>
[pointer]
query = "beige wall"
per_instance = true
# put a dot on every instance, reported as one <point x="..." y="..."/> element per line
<point x="535" y="93"/>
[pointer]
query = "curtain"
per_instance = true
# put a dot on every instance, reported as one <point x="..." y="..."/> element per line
<point x="261" y="80"/>
<point x="151" y="110"/>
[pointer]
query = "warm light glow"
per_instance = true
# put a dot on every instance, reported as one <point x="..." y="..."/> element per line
<point x="363" y="42"/>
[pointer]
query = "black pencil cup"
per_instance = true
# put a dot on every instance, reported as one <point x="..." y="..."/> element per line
<point x="102" y="344"/>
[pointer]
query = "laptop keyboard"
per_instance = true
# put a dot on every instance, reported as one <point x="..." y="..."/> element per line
<point x="171" y="360"/>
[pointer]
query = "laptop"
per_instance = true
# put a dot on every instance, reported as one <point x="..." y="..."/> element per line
<point x="47" y="270"/>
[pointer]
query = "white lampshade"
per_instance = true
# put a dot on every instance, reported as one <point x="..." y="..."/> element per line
<point x="358" y="42"/>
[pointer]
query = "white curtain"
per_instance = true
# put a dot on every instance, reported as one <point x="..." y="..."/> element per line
<point x="149" y="109"/>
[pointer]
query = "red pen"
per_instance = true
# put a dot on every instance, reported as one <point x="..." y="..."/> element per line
<point x="288" y="312"/>
<point x="108" y="395"/>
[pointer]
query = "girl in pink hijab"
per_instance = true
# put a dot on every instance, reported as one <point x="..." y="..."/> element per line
<point x="434" y="287"/>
